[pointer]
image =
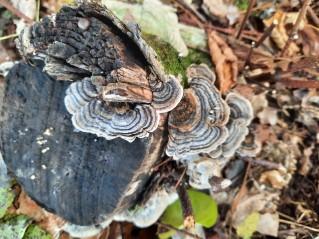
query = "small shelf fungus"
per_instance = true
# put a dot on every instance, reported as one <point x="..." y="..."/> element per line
<point x="198" y="123"/>
<point x="241" y="114"/>
<point x="200" y="171"/>
<point x="119" y="86"/>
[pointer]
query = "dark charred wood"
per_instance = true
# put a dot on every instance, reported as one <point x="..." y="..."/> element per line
<point x="79" y="176"/>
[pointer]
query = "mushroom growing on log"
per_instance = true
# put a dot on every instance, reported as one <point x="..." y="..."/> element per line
<point x="119" y="87"/>
<point x="198" y="123"/>
<point x="82" y="145"/>
<point x="241" y="114"/>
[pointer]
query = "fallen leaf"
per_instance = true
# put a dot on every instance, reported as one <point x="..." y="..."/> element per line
<point x="54" y="6"/>
<point x="248" y="226"/>
<point x="204" y="207"/>
<point x="279" y="34"/>
<point x="268" y="115"/>
<point x="259" y="102"/>
<point x="225" y="62"/>
<point x="274" y="177"/>
<point x="27" y="7"/>
<point x="309" y="37"/>
<point x="154" y="17"/>
<point x="265" y="133"/>
<point x="216" y="7"/>
<point x="268" y="224"/>
<point x="252" y="202"/>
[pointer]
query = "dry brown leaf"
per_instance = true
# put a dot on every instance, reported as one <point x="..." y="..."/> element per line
<point x="309" y="37"/>
<point x="216" y="7"/>
<point x="274" y="177"/>
<point x="268" y="115"/>
<point x="225" y="61"/>
<point x="265" y="133"/>
<point x="305" y="162"/>
<point x="54" y="6"/>
<point x="246" y="90"/>
<point x="268" y="224"/>
<point x="279" y="34"/>
<point x="250" y="203"/>
<point x="259" y="59"/>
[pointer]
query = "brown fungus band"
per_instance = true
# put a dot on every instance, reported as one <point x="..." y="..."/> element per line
<point x="119" y="87"/>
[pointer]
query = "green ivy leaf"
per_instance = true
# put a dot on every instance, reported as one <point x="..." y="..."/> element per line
<point x="14" y="226"/>
<point x="35" y="232"/>
<point x="248" y="226"/>
<point x="205" y="211"/>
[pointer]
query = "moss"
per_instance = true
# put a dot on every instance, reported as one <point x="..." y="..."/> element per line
<point x="172" y="63"/>
<point x="242" y="4"/>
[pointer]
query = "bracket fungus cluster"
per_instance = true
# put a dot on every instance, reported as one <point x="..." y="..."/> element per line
<point x="205" y="123"/>
<point x="107" y="108"/>
<point x="198" y="122"/>
<point x="119" y="87"/>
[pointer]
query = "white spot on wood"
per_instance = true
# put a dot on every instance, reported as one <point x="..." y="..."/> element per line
<point x="48" y="132"/>
<point x="45" y="150"/>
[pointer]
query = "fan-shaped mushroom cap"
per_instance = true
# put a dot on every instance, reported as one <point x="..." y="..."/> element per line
<point x="200" y="171"/>
<point x="197" y="124"/>
<point x="151" y="211"/>
<point x="250" y="147"/>
<point x="107" y="119"/>
<point x="128" y="87"/>
<point x="241" y="114"/>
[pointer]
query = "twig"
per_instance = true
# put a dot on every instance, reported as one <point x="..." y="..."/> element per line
<point x="247" y="34"/>
<point x="160" y="164"/>
<point x="298" y="224"/>
<point x="16" y="11"/>
<point x="313" y="16"/>
<point x="300" y="83"/>
<point x="265" y="163"/>
<point x="294" y="32"/>
<point x="238" y="197"/>
<point x="267" y="33"/>
<point x="247" y="61"/>
<point x="180" y="178"/>
<point x="242" y="189"/>
<point x="187" y="209"/>
<point x="8" y="37"/>
<point x="190" y="13"/>
<point x="243" y="23"/>
<point x="38" y="10"/>
<point x="286" y="216"/>
<point x="189" y="8"/>
<point x="178" y="230"/>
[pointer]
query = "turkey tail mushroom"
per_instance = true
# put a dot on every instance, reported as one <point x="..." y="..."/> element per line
<point x="241" y="114"/>
<point x="198" y="122"/>
<point x="119" y="86"/>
